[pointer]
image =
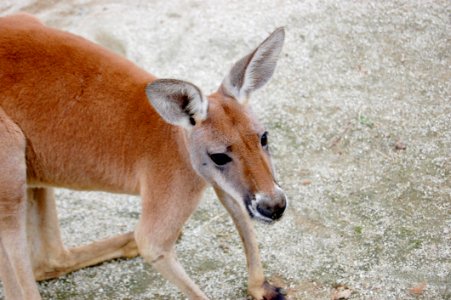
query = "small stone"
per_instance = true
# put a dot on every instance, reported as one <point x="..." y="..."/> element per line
<point x="400" y="146"/>
<point x="341" y="293"/>
<point x="306" y="181"/>
<point x="418" y="289"/>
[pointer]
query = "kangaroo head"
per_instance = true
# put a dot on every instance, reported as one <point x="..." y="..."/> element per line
<point x="228" y="146"/>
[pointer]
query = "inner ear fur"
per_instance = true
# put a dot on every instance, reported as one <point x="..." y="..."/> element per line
<point x="178" y="102"/>
<point x="255" y="69"/>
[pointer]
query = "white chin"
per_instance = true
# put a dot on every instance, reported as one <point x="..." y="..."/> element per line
<point x="258" y="216"/>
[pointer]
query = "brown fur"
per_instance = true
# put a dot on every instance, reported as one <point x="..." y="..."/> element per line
<point x="239" y="130"/>
<point x="75" y="115"/>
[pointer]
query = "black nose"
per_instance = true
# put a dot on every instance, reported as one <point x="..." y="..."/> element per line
<point x="273" y="209"/>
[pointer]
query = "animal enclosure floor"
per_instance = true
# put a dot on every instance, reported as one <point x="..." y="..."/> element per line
<point x="359" y="115"/>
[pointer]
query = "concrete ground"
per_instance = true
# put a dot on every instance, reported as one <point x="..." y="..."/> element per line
<point x="359" y="114"/>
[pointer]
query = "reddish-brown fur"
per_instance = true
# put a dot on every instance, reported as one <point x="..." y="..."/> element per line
<point x="228" y="116"/>
<point x="69" y="101"/>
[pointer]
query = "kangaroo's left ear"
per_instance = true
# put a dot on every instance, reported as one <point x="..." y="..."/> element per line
<point x="177" y="102"/>
<point x="255" y="69"/>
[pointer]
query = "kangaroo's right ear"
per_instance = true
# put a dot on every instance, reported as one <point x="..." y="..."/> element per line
<point x="178" y="102"/>
<point x="255" y="69"/>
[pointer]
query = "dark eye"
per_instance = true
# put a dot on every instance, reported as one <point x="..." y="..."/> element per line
<point x="220" y="158"/>
<point x="264" y="139"/>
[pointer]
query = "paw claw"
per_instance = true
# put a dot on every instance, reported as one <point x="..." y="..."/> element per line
<point x="282" y="291"/>
<point x="274" y="293"/>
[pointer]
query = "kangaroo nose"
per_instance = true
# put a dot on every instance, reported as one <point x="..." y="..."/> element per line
<point x="273" y="207"/>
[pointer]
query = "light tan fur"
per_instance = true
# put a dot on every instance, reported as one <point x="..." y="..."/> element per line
<point x="75" y="115"/>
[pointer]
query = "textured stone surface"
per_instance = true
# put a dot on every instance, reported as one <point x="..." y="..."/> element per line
<point x="359" y="115"/>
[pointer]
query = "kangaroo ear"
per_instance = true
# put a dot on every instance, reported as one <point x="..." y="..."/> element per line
<point x="255" y="69"/>
<point x="178" y="102"/>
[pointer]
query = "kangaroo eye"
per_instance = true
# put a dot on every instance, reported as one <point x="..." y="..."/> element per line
<point x="264" y="139"/>
<point x="220" y="158"/>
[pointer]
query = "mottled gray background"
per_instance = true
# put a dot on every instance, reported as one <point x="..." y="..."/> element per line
<point x="359" y="115"/>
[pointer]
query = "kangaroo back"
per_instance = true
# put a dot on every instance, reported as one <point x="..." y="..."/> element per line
<point x="74" y="99"/>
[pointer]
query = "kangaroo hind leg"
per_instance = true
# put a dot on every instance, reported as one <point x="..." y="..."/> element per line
<point x="49" y="255"/>
<point x="16" y="269"/>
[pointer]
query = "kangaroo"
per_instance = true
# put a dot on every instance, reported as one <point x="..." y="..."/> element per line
<point x="75" y="115"/>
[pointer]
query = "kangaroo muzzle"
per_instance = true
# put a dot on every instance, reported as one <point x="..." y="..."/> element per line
<point x="268" y="207"/>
